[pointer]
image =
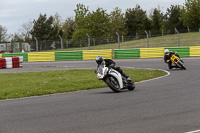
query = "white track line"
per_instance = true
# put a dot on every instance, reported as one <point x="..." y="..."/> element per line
<point x="168" y="73"/>
<point x="197" y="131"/>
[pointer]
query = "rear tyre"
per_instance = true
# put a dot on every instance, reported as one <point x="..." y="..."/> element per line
<point x="113" y="84"/>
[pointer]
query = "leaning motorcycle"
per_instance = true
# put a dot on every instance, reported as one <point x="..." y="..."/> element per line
<point x="178" y="62"/>
<point x="114" y="79"/>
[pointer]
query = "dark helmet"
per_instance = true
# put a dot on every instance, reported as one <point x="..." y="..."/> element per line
<point x="99" y="59"/>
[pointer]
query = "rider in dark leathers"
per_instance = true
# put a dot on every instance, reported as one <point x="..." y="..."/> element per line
<point x="110" y="64"/>
<point x="167" y="56"/>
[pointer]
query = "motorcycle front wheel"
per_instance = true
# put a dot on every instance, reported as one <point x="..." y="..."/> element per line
<point x="113" y="84"/>
<point x="131" y="86"/>
<point x="182" y="66"/>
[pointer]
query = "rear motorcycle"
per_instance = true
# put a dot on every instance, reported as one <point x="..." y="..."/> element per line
<point x="178" y="62"/>
<point x="114" y="79"/>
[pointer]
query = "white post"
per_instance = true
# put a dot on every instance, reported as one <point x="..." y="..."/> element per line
<point x="147" y="39"/>
<point x="36" y="43"/>
<point x="88" y="40"/>
<point x="178" y="37"/>
<point x="61" y="42"/>
<point x="118" y="40"/>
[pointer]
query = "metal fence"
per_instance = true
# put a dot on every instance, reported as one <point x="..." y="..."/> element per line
<point x="14" y="47"/>
<point x="146" y="40"/>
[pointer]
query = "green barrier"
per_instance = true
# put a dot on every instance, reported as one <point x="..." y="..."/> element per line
<point x="25" y="56"/>
<point x="181" y="51"/>
<point x="68" y="55"/>
<point x="118" y="53"/>
<point x="126" y="53"/>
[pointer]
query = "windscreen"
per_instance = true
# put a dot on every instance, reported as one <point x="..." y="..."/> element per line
<point x="100" y="69"/>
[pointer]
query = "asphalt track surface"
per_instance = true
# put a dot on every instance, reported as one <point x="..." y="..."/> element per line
<point x="167" y="105"/>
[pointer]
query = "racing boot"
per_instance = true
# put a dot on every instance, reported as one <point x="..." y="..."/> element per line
<point x="122" y="73"/>
<point x="125" y="75"/>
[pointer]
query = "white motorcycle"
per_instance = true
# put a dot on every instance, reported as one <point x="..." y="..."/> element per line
<point x="114" y="79"/>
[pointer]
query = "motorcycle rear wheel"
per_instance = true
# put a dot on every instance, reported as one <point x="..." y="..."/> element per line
<point x="113" y="84"/>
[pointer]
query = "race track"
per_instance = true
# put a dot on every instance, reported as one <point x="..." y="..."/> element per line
<point x="166" y="105"/>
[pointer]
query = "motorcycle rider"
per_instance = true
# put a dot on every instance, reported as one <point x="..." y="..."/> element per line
<point x="167" y="56"/>
<point x="110" y="64"/>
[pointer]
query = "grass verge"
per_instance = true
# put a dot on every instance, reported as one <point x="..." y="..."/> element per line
<point x="186" y="40"/>
<point x="16" y="85"/>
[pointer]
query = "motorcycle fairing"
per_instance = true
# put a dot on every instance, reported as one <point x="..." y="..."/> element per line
<point x="117" y="75"/>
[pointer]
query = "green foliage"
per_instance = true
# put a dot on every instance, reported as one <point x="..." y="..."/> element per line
<point x="81" y="16"/>
<point x="3" y="33"/>
<point x="191" y="13"/>
<point x="157" y="20"/>
<point x="172" y="17"/>
<point x="68" y="28"/>
<point x="118" y="22"/>
<point x="134" y="20"/>
<point x="44" y="28"/>
<point x="81" y="21"/>
<point x="146" y="24"/>
<point x="98" y="23"/>
<point x="79" y="37"/>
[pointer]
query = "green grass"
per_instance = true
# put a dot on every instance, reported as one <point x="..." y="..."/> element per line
<point x="16" y="85"/>
<point x="186" y="40"/>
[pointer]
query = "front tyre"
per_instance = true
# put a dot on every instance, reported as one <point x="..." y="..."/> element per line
<point x="131" y="87"/>
<point x="113" y="83"/>
<point x="182" y="66"/>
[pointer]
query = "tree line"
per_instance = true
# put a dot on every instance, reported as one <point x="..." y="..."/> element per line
<point x="100" y="24"/>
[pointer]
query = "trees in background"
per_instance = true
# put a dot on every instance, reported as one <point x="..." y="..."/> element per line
<point x="135" y="19"/>
<point x="44" y="28"/>
<point x="81" y="20"/>
<point x="100" y="24"/>
<point x="157" y="23"/>
<point x="24" y="31"/>
<point x="3" y="33"/>
<point x="117" y="22"/>
<point x="97" y="23"/>
<point x="68" y="28"/>
<point x="172" y="18"/>
<point x="190" y="15"/>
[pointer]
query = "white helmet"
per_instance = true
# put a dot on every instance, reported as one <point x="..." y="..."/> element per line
<point x="166" y="51"/>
